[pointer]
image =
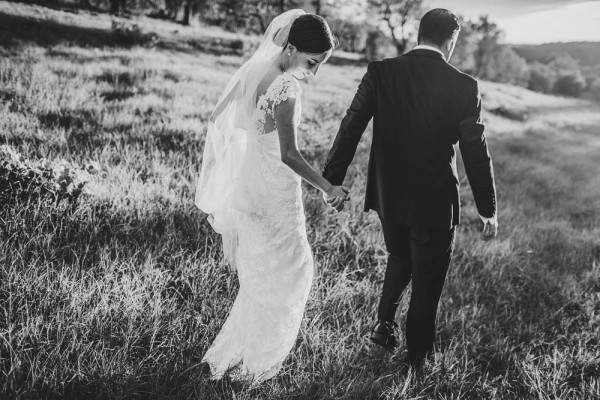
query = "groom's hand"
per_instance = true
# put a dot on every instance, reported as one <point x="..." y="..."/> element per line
<point x="490" y="230"/>
<point x="337" y="203"/>
<point x="336" y="197"/>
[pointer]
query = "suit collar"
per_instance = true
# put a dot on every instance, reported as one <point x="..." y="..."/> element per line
<point x="426" y="53"/>
<point x="426" y="47"/>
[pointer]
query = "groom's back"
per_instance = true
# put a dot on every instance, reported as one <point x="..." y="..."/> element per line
<point x="420" y="107"/>
<point x="421" y="101"/>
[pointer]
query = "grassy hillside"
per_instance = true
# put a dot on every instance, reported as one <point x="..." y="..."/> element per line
<point x="119" y="294"/>
<point x="21" y="23"/>
<point x="587" y="53"/>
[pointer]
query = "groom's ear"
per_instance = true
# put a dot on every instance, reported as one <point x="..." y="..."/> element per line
<point x="454" y="40"/>
<point x="292" y="48"/>
<point x="448" y="44"/>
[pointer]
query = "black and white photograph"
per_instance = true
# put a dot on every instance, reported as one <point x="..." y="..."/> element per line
<point x="300" y="199"/>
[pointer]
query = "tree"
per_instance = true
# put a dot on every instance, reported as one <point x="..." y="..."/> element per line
<point x="251" y="15"/>
<point x="569" y="80"/>
<point x="173" y="7"/>
<point x="255" y="15"/>
<point x="396" y="16"/>
<point x="117" y="6"/>
<point x="463" y="56"/>
<point x="509" y="67"/>
<point x="191" y="7"/>
<point x="351" y="36"/>
<point x="563" y="63"/>
<point x="488" y="36"/>
<point x="262" y="12"/>
<point x="379" y="46"/>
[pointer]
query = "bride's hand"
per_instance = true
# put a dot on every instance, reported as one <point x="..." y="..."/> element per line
<point x="336" y="197"/>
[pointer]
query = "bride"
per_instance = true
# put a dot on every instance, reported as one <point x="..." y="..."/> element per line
<point x="250" y="187"/>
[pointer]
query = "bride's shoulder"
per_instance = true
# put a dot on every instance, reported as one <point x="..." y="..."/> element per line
<point x="288" y="82"/>
<point x="279" y="77"/>
<point x="268" y="80"/>
<point x="281" y="83"/>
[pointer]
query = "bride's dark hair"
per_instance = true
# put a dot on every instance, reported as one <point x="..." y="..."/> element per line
<point x="310" y="33"/>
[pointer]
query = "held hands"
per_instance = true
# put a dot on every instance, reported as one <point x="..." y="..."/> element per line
<point x="490" y="230"/>
<point x="336" y="197"/>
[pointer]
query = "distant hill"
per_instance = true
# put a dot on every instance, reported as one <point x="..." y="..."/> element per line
<point x="587" y="53"/>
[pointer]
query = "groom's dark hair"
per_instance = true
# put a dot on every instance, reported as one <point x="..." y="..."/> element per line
<point x="310" y="34"/>
<point x="437" y="26"/>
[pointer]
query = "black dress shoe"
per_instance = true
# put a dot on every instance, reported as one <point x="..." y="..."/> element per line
<point x="383" y="334"/>
<point x="417" y="364"/>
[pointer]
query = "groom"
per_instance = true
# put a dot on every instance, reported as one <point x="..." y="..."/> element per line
<point x="421" y="107"/>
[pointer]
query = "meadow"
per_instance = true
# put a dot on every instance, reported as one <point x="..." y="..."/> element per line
<point x="118" y="294"/>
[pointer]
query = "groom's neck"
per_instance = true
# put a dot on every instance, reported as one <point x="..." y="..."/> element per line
<point x="425" y="43"/>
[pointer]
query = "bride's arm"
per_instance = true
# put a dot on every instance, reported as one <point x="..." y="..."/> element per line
<point x="290" y="155"/>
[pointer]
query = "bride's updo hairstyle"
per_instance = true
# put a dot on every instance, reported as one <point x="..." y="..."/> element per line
<point x="311" y="34"/>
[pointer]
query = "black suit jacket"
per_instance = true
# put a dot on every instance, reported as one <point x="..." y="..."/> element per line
<point x="421" y="107"/>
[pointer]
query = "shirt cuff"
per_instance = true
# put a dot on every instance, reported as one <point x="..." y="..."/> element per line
<point x="493" y="220"/>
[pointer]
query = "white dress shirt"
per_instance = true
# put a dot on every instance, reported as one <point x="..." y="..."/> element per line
<point x="485" y="220"/>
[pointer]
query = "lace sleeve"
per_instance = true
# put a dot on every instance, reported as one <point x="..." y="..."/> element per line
<point x="284" y="87"/>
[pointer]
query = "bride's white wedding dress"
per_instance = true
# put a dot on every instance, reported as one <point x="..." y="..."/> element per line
<point x="272" y="254"/>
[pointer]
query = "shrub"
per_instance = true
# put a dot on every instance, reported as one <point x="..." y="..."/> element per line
<point x="594" y="89"/>
<point x="563" y="64"/>
<point x="570" y="84"/>
<point x="379" y="46"/>
<point x="29" y="180"/>
<point x="541" y="78"/>
<point x="514" y="114"/>
<point x="131" y="34"/>
<point x="508" y="67"/>
<point x="351" y="35"/>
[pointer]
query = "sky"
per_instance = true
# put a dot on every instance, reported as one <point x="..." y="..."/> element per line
<point x="534" y="21"/>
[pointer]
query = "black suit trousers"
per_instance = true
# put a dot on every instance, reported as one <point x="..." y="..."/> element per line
<point x="421" y="256"/>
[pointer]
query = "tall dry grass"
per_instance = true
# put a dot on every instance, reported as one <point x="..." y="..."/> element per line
<point x="120" y="296"/>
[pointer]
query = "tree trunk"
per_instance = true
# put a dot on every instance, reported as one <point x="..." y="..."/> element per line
<point x="114" y="6"/>
<point x="400" y="46"/>
<point x="317" y="5"/>
<point x="117" y="6"/>
<point x="186" y="12"/>
<point x="261" y="22"/>
<point x="172" y="7"/>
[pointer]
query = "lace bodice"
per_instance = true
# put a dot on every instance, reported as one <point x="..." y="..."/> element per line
<point x="283" y="87"/>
